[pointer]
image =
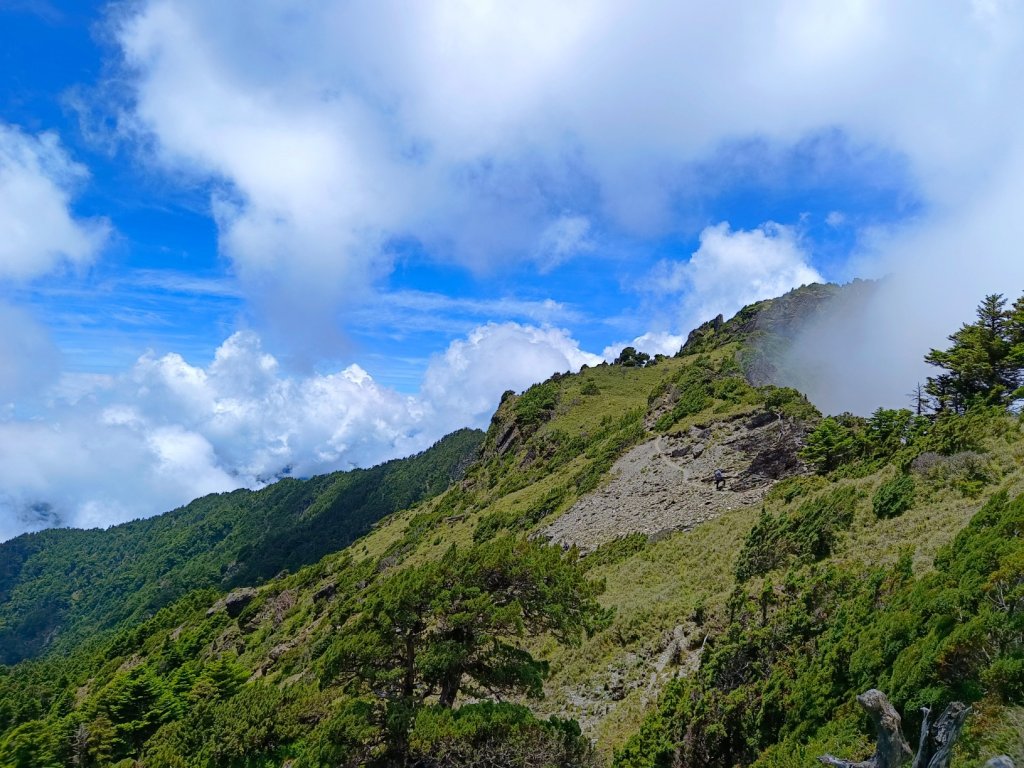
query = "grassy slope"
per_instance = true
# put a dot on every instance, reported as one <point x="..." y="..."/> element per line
<point x="685" y="578"/>
<point x="280" y="635"/>
<point x="61" y="585"/>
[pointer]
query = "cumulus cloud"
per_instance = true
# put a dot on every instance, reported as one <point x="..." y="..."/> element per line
<point x="168" y="431"/>
<point x="651" y="342"/>
<point x="731" y="269"/>
<point x="331" y="131"/>
<point x="462" y="384"/>
<point x="38" y="231"/>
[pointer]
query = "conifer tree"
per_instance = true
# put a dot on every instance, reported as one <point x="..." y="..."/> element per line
<point x="984" y="365"/>
<point x="459" y="624"/>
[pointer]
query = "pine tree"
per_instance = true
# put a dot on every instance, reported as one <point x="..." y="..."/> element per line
<point x="984" y="365"/>
<point x="460" y="624"/>
<point x="830" y="444"/>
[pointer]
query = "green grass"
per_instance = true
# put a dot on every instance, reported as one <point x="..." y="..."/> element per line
<point x="651" y="591"/>
<point x="568" y="435"/>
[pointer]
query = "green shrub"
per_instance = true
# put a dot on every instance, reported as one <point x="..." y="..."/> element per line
<point x="493" y="522"/>
<point x="537" y="404"/>
<point x="1005" y="678"/>
<point x="893" y="497"/>
<point x="732" y="389"/>
<point x="693" y="399"/>
<point x="958" y="432"/>
<point x="788" y="402"/>
<point x="794" y="488"/>
<point x="495" y="733"/>
<point x="806" y="533"/>
<point x="967" y="472"/>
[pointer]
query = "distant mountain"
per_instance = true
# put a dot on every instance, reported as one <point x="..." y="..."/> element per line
<point x="59" y="586"/>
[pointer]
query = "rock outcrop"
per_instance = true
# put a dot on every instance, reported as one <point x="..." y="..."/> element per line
<point x="667" y="484"/>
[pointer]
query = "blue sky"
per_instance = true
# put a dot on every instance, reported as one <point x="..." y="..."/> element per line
<point x="244" y="239"/>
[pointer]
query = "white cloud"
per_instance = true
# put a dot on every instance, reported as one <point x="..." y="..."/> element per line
<point x="651" y="342"/>
<point x="332" y="129"/>
<point x="38" y="231"/>
<point x="167" y="431"/>
<point x="835" y="219"/>
<point x="463" y="385"/>
<point x="732" y="269"/>
<point x="564" y="238"/>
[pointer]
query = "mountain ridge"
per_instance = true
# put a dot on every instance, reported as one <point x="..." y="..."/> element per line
<point x="66" y="582"/>
<point x="892" y="545"/>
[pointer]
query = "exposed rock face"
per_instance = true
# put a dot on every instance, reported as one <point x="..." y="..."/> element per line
<point x="326" y="592"/>
<point x="236" y="601"/>
<point x="667" y="484"/>
<point x="704" y="331"/>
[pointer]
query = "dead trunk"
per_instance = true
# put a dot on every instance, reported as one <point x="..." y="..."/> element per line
<point x="936" y="746"/>
<point x="892" y="749"/>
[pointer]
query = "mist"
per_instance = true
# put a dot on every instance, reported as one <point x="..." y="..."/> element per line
<point x="869" y="353"/>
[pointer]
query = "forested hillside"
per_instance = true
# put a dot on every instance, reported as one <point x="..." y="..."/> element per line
<point x="61" y="586"/>
<point x="676" y="620"/>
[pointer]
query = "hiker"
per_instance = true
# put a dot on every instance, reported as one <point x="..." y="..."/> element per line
<point x="719" y="480"/>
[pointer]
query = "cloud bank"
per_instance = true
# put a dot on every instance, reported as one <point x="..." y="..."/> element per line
<point x="504" y="137"/>
<point x="167" y="431"/>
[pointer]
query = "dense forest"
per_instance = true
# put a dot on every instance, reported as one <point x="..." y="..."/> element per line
<point x="61" y="586"/>
<point x="468" y="629"/>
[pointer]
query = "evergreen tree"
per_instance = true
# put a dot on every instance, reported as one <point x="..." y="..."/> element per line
<point x="984" y="365"/>
<point x="432" y="631"/>
<point x="830" y="444"/>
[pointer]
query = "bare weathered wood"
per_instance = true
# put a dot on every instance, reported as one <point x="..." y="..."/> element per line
<point x="921" y="760"/>
<point x="892" y="749"/>
<point x="945" y="733"/>
<point x="935" y="744"/>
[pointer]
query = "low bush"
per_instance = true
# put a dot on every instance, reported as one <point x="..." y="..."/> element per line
<point x="893" y="497"/>
<point x="496" y="733"/>
<point x="806" y="533"/>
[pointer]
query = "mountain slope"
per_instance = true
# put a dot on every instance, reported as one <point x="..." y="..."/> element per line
<point x="61" y="585"/>
<point x="738" y="634"/>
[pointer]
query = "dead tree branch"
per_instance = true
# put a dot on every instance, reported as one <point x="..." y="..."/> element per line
<point x="936" y="747"/>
